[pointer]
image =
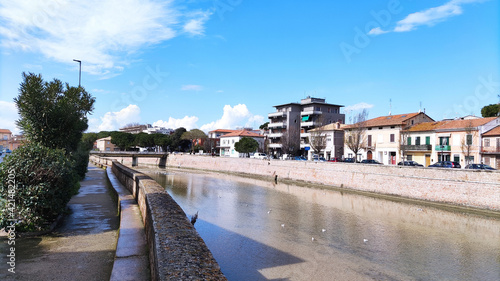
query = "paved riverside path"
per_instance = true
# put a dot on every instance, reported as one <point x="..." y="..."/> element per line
<point x="82" y="247"/>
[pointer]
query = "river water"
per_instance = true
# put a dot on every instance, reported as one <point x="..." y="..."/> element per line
<point x="259" y="230"/>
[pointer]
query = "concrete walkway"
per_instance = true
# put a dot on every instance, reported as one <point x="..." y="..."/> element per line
<point x="83" y="246"/>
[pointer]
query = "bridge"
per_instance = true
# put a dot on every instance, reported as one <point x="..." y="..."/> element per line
<point x="135" y="155"/>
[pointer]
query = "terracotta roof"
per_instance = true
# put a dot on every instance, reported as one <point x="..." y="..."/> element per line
<point x="493" y="132"/>
<point x="329" y="127"/>
<point x="390" y="120"/>
<point x="223" y="131"/>
<point x="5" y="131"/>
<point x="243" y="133"/>
<point x="426" y="126"/>
<point x="450" y="124"/>
<point x="460" y="124"/>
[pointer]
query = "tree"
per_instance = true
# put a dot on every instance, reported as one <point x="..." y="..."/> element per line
<point x="317" y="139"/>
<point x="179" y="144"/>
<point x="355" y="134"/>
<point x="289" y="141"/>
<point x="264" y="126"/>
<point x="193" y="135"/>
<point x="403" y="143"/>
<point x="491" y="110"/>
<point x="144" y="140"/>
<point x="52" y="114"/>
<point x="123" y="140"/>
<point x="467" y="142"/>
<point x="163" y="141"/>
<point x="246" y="145"/>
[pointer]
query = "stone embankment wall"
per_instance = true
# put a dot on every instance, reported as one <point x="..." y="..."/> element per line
<point x="469" y="188"/>
<point x="176" y="251"/>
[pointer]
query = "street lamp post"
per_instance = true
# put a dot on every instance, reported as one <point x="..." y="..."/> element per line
<point x="80" y="73"/>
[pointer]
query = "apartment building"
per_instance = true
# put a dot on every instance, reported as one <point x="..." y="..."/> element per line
<point x="289" y="126"/>
<point x="382" y="136"/>
<point x="331" y="143"/>
<point x="5" y="139"/>
<point x="457" y="140"/>
<point x="228" y="140"/>
<point x="490" y="148"/>
<point x="105" y="144"/>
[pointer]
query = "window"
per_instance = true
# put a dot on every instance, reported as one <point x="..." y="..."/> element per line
<point x="427" y="140"/>
<point x="329" y="109"/>
<point x="392" y="137"/>
<point x="417" y="141"/>
<point x="409" y="141"/>
<point x="380" y="128"/>
<point x="469" y="140"/>
<point x="409" y="157"/>
<point x="487" y="142"/>
<point x="456" y="158"/>
<point x="350" y="139"/>
<point x="369" y="129"/>
<point x="369" y="140"/>
<point x="444" y="140"/>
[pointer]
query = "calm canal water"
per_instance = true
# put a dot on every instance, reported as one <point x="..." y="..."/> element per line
<point x="258" y="230"/>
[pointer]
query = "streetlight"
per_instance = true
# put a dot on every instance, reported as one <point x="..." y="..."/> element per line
<point x="80" y="73"/>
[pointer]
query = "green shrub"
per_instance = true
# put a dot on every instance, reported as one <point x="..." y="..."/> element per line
<point x="80" y="159"/>
<point x="45" y="181"/>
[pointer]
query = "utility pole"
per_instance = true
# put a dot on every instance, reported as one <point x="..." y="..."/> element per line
<point x="80" y="73"/>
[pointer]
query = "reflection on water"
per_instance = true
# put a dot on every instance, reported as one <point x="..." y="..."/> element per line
<point x="258" y="230"/>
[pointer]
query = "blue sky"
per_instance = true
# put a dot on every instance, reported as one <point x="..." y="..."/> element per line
<point x="213" y="64"/>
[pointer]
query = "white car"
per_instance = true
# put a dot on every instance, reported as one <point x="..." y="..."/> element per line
<point x="259" y="156"/>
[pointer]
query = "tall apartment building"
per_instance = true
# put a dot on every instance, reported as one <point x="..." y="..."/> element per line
<point x="289" y="126"/>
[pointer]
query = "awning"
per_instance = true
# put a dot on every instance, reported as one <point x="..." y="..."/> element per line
<point x="305" y="118"/>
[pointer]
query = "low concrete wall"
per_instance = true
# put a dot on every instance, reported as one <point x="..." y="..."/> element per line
<point x="176" y="251"/>
<point x="469" y="188"/>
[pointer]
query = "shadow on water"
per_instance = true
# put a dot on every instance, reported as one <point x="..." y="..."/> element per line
<point x="225" y="245"/>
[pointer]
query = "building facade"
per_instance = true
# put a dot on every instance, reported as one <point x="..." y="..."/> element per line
<point x="490" y="148"/>
<point x="105" y="144"/>
<point x="457" y="140"/>
<point x="382" y="136"/>
<point x="289" y="126"/>
<point x="227" y="142"/>
<point x="5" y="139"/>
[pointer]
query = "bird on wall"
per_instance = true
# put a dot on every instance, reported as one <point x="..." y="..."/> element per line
<point x="194" y="218"/>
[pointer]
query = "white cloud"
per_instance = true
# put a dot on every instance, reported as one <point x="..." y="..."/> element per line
<point x="358" y="106"/>
<point x="188" y="122"/>
<point x="8" y="116"/>
<point x="191" y="88"/>
<point x="233" y="117"/>
<point x="196" y="25"/>
<point x="377" y="31"/>
<point x="428" y="17"/>
<point x="112" y="121"/>
<point x="100" y="33"/>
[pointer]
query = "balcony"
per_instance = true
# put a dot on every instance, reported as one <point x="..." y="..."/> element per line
<point x="421" y="147"/>
<point x="310" y="124"/>
<point x="305" y="135"/>
<point x="277" y="125"/>
<point x="274" y="145"/>
<point x="490" y="149"/>
<point x="310" y="112"/>
<point x="275" y="135"/>
<point x="443" y="148"/>
<point x="276" y="114"/>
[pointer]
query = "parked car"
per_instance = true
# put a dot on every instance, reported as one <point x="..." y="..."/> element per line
<point x="350" y="160"/>
<point x="259" y="155"/>
<point x="370" y="161"/>
<point x="479" y="167"/>
<point x="319" y="159"/>
<point x="446" y="164"/>
<point x="335" y="159"/>
<point x="409" y="163"/>
<point x="300" y="158"/>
